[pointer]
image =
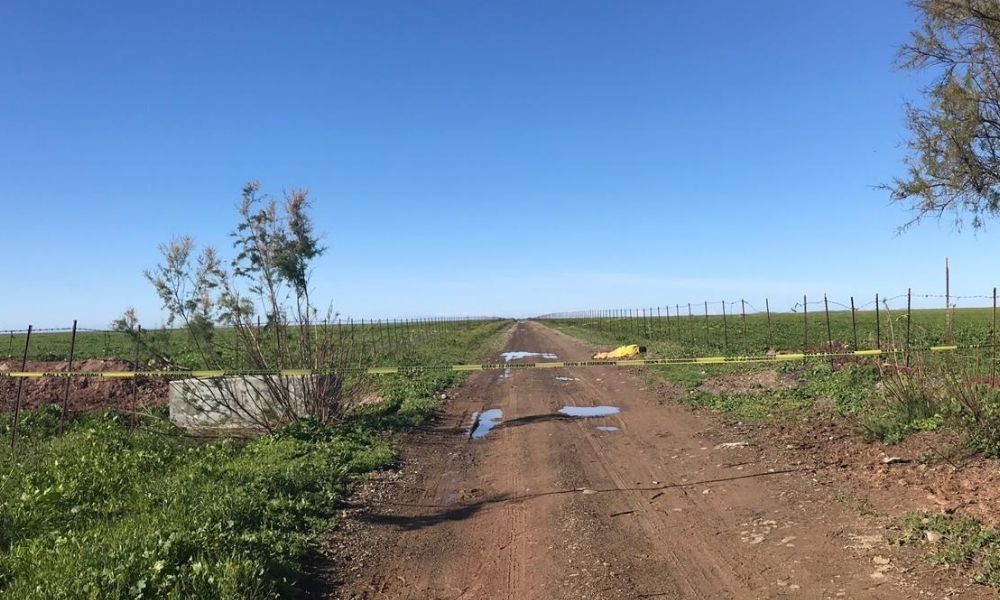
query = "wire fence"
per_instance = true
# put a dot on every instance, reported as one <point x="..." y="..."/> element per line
<point x="94" y="369"/>
<point x="818" y="325"/>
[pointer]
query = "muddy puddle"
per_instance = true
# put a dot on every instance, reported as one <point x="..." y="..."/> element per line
<point x="484" y="422"/>
<point x="564" y="378"/>
<point x="518" y="355"/>
<point x="586" y="412"/>
<point x="606" y="428"/>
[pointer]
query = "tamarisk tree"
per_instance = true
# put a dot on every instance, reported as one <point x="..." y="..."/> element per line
<point x="256" y="313"/>
<point x="953" y="165"/>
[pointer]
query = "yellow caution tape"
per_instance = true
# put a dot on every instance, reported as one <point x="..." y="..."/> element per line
<point x="389" y="370"/>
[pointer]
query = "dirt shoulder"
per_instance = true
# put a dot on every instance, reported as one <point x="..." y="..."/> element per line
<point x="668" y="504"/>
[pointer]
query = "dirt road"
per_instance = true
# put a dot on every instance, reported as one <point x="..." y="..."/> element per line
<point x="652" y="502"/>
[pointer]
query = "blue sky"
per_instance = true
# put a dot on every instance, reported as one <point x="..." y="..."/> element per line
<point x="508" y="158"/>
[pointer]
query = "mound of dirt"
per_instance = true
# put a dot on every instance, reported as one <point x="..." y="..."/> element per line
<point x="82" y="394"/>
<point x="748" y="383"/>
<point x="928" y="471"/>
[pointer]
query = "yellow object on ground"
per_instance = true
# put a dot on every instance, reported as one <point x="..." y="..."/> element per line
<point x="619" y="353"/>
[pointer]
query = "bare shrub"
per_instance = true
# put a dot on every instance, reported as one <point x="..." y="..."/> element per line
<point x="255" y="314"/>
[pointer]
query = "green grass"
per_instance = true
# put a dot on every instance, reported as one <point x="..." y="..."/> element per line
<point x="940" y="390"/>
<point x="699" y="335"/>
<point x="104" y="511"/>
<point x="963" y="542"/>
<point x="361" y="345"/>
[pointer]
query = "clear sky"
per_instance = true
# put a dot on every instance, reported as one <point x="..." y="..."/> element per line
<point x="508" y="158"/>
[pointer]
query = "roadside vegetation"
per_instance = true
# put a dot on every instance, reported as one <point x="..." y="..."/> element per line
<point x="105" y="510"/>
<point x="119" y="504"/>
<point x="886" y="398"/>
<point x="955" y="541"/>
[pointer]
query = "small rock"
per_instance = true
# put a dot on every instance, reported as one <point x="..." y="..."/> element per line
<point x="892" y="460"/>
<point x="880" y="560"/>
<point x="588" y="492"/>
<point x="731" y="445"/>
<point x="933" y="537"/>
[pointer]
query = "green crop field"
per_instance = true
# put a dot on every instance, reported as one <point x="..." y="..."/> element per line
<point x="758" y="333"/>
<point x="377" y="343"/>
<point x="884" y="396"/>
<point x="104" y="510"/>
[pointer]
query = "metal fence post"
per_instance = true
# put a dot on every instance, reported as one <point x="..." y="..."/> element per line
<point x="878" y="326"/>
<point x="20" y="387"/>
<point x="909" y="306"/>
<point x="69" y="367"/>
<point x="805" y="324"/>
<point x="854" y="323"/>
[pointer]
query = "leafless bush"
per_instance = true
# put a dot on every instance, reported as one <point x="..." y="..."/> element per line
<point x="255" y="314"/>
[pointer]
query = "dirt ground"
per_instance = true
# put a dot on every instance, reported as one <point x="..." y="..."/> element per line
<point x="672" y="504"/>
<point x="84" y="394"/>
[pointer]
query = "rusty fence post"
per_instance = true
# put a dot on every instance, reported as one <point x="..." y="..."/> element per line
<point x="829" y="333"/>
<point x="725" y="327"/>
<point x="743" y="312"/>
<point x="805" y="324"/>
<point x="69" y="367"/>
<point x="135" y="380"/>
<point x="691" y="323"/>
<point x="878" y="326"/>
<point x="770" y="330"/>
<point x="993" y="336"/>
<point x="706" y="324"/>
<point x="20" y="388"/>
<point x="909" y="307"/>
<point x="948" y="314"/>
<point x="854" y="323"/>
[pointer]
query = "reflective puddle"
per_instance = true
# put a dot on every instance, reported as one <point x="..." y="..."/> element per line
<point x="484" y="422"/>
<point x="518" y="355"/>
<point x="589" y="411"/>
<point x="564" y="378"/>
<point x="606" y="428"/>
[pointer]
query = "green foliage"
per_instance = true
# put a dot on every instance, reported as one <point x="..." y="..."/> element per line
<point x="954" y="165"/>
<point x="753" y="407"/>
<point x="891" y="401"/>
<point x="978" y="408"/>
<point x="701" y="336"/>
<point x="963" y="542"/>
<point x="103" y="511"/>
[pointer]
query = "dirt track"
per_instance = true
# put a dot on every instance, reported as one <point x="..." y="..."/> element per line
<point x="546" y="506"/>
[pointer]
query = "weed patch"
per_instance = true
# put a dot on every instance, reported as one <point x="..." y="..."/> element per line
<point x="108" y="511"/>
<point x="955" y="541"/>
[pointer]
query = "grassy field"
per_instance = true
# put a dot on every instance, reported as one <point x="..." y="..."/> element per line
<point x="105" y="511"/>
<point x="940" y="389"/>
<point x="758" y="333"/>
<point x="368" y="344"/>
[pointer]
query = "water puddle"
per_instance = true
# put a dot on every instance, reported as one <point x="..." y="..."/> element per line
<point x="586" y="412"/>
<point x="518" y="355"/>
<point x="564" y="378"/>
<point x="484" y="422"/>
<point x="606" y="428"/>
